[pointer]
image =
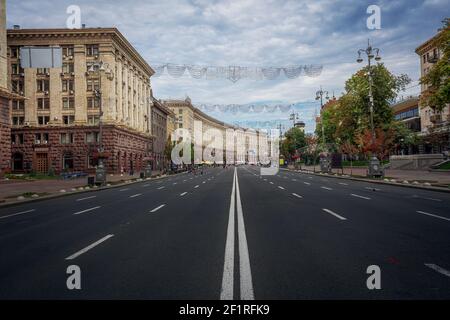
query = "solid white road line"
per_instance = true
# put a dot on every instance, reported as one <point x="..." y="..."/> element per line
<point x="280" y="187"/>
<point x="334" y="214"/>
<point x="183" y="194"/>
<point x="358" y="196"/>
<point x="433" y="215"/>
<point x="438" y="269"/>
<point x="226" y="292"/>
<point x="296" y="195"/>
<point x="307" y="183"/>
<point x="326" y="188"/>
<point x="18" y="213"/>
<point x="82" y="199"/>
<point x="89" y="247"/>
<point x="161" y="188"/>
<point x="157" y="208"/>
<point x="87" y="210"/>
<point x="196" y="186"/>
<point x="244" y="260"/>
<point x="136" y="195"/>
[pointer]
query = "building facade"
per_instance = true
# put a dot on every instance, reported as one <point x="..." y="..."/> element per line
<point x="57" y="127"/>
<point x="159" y="118"/>
<point x="435" y="124"/>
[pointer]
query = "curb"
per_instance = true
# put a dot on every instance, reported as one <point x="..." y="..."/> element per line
<point x="65" y="194"/>
<point x="438" y="189"/>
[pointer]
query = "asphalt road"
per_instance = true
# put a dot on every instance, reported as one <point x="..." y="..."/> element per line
<point x="230" y="234"/>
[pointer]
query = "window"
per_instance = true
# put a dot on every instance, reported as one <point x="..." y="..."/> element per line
<point x="67" y="67"/>
<point x="92" y="161"/>
<point x="43" y="103"/>
<point x="17" y="86"/>
<point x="68" y="120"/>
<point x="43" y="120"/>
<point x="67" y="161"/>
<point x="41" y="138"/>
<point x="67" y="85"/>
<point x="92" y="137"/>
<point x="43" y="71"/>
<point x="92" y="50"/>
<point x="93" y="103"/>
<point x="19" y="138"/>
<point x="18" y="121"/>
<point x="67" y="51"/>
<point x="68" y="103"/>
<point x="16" y="69"/>
<point x="43" y="85"/>
<point x="18" y="105"/>
<point x="66" y="138"/>
<point x="424" y="58"/>
<point x="15" y="52"/>
<point x="93" y="120"/>
<point x="93" y="84"/>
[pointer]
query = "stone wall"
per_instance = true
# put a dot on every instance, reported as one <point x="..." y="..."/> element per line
<point x="5" y="136"/>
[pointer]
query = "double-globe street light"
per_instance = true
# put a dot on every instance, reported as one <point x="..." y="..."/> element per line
<point x="100" y="68"/>
<point x="324" y="161"/>
<point x="375" y="169"/>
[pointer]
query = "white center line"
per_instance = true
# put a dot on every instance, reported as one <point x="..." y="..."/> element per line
<point x="157" y="208"/>
<point x="438" y="269"/>
<point x="433" y="215"/>
<point x="196" y="186"/>
<point x="89" y="247"/>
<point x="326" y="188"/>
<point x="280" y="187"/>
<point x="87" y="210"/>
<point x="334" y="214"/>
<point x="18" y="213"/>
<point x="358" y="196"/>
<point x="296" y="195"/>
<point x="161" y="188"/>
<point x="136" y="195"/>
<point x="82" y="199"/>
<point x="182" y="194"/>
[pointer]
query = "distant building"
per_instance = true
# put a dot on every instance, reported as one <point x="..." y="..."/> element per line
<point x="300" y="125"/>
<point x="159" y="119"/>
<point x="407" y="111"/>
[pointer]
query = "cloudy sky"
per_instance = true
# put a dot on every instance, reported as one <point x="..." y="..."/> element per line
<point x="253" y="33"/>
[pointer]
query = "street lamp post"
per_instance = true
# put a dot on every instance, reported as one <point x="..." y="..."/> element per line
<point x="324" y="161"/>
<point x="100" y="68"/>
<point x="375" y="169"/>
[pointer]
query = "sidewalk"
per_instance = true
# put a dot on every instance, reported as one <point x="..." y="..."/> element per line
<point x="421" y="176"/>
<point x="10" y="190"/>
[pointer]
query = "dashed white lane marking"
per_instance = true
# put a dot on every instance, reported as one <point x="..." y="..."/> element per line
<point x="184" y="180"/>
<point x="280" y="187"/>
<point x="89" y="247"/>
<point x="439" y="269"/>
<point x="161" y="188"/>
<point x="145" y="185"/>
<point x="124" y="189"/>
<point x="334" y="214"/>
<point x="433" y="215"/>
<point x="182" y="194"/>
<point x="343" y="184"/>
<point x="87" y="210"/>
<point x="358" y="196"/>
<point x="294" y="179"/>
<point x="174" y="183"/>
<point x="265" y="179"/>
<point x="136" y="195"/>
<point x="196" y="186"/>
<point x="82" y="199"/>
<point x="372" y="188"/>
<point x="157" y="208"/>
<point x="296" y="195"/>
<point x="271" y="182"/>
<point x="18" y="213"/>
<point x="326" y="188"/>
<point x="307" y="183"/>
<point x="432" y="199"/>
<point x="204" y="182"/>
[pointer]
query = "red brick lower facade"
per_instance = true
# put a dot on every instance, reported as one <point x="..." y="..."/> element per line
<point x="75" y="149"/>
<point x="5" y="136"/>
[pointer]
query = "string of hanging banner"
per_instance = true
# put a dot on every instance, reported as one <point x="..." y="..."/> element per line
<point x="235" y="73"/>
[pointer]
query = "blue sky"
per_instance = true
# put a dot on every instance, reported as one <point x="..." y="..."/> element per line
<point x="254" y="33"/>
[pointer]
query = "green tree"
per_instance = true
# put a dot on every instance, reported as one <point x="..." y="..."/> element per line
<point x="294" y="140"/>
<point x="437" y="95"/>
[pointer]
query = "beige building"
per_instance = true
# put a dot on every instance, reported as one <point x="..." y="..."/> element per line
<point x="58" y="124"/>
<point x="432" y="121"/>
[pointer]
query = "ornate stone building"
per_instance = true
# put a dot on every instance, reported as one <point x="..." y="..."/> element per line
<point x="160" y="117"/>
<point x="58" y="125"/>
